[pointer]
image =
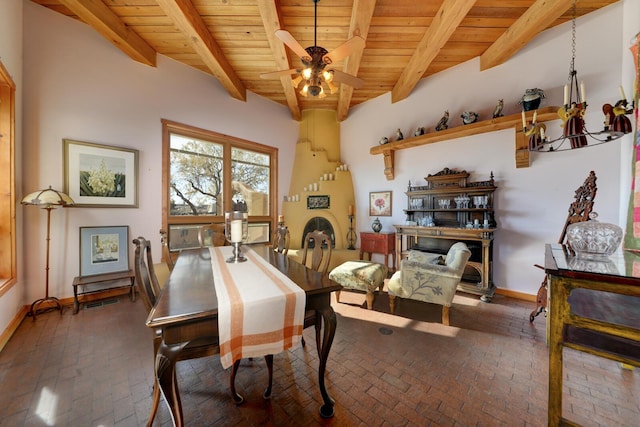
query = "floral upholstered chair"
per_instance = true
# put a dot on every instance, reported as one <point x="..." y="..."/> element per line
<point x="429" y="277"/>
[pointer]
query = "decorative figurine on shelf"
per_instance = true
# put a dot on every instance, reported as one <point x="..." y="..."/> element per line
<point x="536" y="134"/>
<point x="531" y="99"/>
<point x="442" y="124"/>
<point x="419" y="131"/>
<point x="469" y="117"/>
<point x="497" y="112"/>
<point x="383" y="140"/>
<point x="399" y="135"/>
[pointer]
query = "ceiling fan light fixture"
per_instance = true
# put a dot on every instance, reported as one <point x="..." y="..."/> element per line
<point x="305" y="90"/>
<point x="296" y="81"/>
<point x="333" y="88"/>
<point x="327" y="75"/>
<point x="315" y="90"/>
<point x="306" y="73"/>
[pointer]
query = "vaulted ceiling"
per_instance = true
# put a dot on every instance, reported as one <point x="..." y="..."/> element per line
<point x="405" y="40"/>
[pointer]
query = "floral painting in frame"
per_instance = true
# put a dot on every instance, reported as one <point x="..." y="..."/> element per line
<point x="100" y="175"/>
<point x="380" y="203"/>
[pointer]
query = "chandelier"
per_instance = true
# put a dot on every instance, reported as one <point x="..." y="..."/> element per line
<point x="574" y="130"/>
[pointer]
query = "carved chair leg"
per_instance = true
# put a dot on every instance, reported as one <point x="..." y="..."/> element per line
<point x="445" y="315"/>
<point x="392" y="303"/>
<point x="541" y="301"/>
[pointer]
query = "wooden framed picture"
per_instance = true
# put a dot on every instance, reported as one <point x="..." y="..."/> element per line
<point x="318" y="202"/>
<point x="380" y="203"/>
<point x="100" y="175"/>
<point x="104" y="250"/>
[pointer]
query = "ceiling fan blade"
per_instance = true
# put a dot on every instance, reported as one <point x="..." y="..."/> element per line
<point x="348" y="79"/>
<point x="287" y="38"/>
<point x="345" y="49"/>
<point x="278" y="74"/>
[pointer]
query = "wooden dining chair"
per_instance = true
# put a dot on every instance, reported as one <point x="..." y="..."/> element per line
<point x="166" y="253"/>
<point x="195" y="349"/>
<point x="211" y="235"/>
<point x="281" y="239"/>
<point x="317" y="248"/>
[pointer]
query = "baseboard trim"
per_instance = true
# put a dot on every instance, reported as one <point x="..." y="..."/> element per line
<point x="517" y="295"/>
<point x="13" y="326"/>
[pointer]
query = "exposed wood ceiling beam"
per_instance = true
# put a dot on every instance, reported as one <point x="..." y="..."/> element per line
<point x="186" y="18"/>
<point x="529" y="25"/>
<point x="97" y="15"/>
<point x="361" y="15"/>
<point x="444" y="23"/>
<point x="272" y="22"/>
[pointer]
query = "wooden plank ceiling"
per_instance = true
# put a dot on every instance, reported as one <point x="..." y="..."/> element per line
<point x="406" y="40"/>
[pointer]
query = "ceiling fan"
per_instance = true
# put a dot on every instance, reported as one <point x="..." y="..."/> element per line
<point x="315" y="59"/>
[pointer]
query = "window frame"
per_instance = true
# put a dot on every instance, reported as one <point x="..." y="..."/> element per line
<point x="8" y="256"/>
<point x="169" y="127"/>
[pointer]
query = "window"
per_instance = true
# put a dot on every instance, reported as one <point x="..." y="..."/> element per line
<point x="205" y="174"/>
<point x="7" y="182"/>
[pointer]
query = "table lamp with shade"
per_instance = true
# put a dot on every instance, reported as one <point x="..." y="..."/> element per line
<point x="47" y="199"/>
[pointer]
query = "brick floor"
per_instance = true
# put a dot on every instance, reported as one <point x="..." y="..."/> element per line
<point x="489" y="368"/>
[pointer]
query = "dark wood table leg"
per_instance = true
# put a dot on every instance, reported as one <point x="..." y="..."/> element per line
<point x="237" y="398"/>
<point x="329" y="317"/>
<point x="167" y="381"/>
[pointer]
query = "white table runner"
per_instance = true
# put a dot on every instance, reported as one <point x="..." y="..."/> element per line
<point x="260" y="310"/>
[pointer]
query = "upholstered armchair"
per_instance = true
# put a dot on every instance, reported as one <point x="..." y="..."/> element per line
<point x="429" y="277"/>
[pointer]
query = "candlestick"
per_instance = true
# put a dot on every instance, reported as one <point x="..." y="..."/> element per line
<point x="280" y="218"/>
<point x="524" y="121"/>
<point x="583" y="92"/>
<point x="566" y="94"/>
<point x="622" y="93"/>
<point x="535" y="115"/>
<point x="350" y="210"/>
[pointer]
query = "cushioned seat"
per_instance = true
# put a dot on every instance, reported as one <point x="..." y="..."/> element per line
<point x="429" y="277"/>
<point x="361" y="275"/>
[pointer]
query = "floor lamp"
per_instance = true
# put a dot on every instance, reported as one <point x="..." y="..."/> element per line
<point x="47" y="199"/>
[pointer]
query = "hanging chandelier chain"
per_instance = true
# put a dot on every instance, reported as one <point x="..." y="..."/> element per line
<point x="572" y="67"/>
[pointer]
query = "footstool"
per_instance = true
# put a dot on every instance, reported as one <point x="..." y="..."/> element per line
<point x="361" y="275"/>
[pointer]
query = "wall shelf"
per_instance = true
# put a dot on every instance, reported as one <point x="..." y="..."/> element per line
<point x="512" y="121"/>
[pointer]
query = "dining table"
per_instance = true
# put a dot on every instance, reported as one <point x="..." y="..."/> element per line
<point x="187" y="310"/>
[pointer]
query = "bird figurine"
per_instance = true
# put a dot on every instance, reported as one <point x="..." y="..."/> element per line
<point x="497" y="112"/>
<point x="399" y="135"/>
<point x="469" y="117"/>
<point x="531" y="99"/>
<point x="419" y="131"/>
<point x="383" y="140"/>
<point x="442" y="124"/>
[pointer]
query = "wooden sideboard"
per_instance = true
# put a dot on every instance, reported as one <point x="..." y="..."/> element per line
<point x="379" y="243"/>
<point x="594" y="308"/>
<point x="477" y="278"/>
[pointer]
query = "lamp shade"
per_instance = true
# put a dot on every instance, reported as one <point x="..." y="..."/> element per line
<point x="47" y="198"/>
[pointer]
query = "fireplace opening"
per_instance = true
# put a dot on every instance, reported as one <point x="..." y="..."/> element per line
<point x="322" y="224"/>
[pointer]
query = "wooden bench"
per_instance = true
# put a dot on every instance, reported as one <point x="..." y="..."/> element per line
<point x="102" y="282"/>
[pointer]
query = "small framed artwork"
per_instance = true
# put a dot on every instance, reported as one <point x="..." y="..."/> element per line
<point x="380" y="203"/>
<point x="104" y="250"/>
<point x="318" y="202"/>
<point x="100" y="175"/>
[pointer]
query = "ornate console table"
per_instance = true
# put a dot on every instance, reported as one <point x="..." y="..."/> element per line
<point x="594" y="308"/>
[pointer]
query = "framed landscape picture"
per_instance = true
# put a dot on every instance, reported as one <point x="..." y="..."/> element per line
<point x="100" y="175"/>
<point x="380" y="203"/>
<point x="104" y="250"/>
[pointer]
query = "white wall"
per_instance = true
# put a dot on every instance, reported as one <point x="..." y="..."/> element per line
<point x="531" y="203"/>
<point x="79" y="86"/>
<point x="11" y="55"/>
